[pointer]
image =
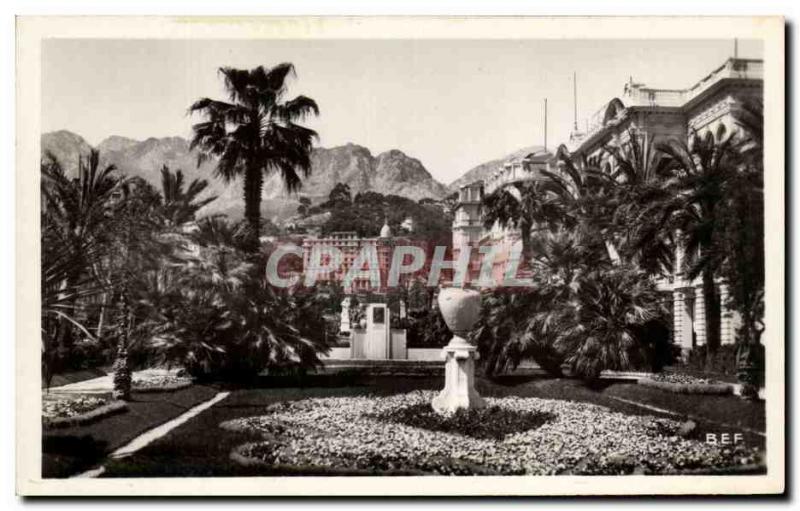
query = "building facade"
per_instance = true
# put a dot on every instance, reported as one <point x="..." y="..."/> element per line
<point x="661" y="114"/>
<point x="649" y="113"/>
<point x="468" y="220"/>
<point x="350" y="246"/>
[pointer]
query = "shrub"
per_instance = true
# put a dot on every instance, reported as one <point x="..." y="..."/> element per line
<point x="688" y="388"/>
<point x="722" y="362"/>
<point x="426" y="329"/>
<point x="508" y="333"/>
<point x="603" y="321"/>
<point x="655" y="351"/>
<point x="225" y="323"/>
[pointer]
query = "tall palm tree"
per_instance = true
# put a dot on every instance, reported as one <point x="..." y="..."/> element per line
<point x="256" y="133"/>
<point x="75" y="217"/>
<point x="750" y="117"/>
<point x="641" y="183"/>
<point x="78" y="207"/>
<point x="704" y="169"/>
<point x="180" y="205"/>
<point x="585" y="196"/>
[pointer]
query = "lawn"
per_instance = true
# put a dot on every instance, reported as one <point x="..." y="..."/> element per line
<point x="200" y="448"/>
<point x="73" y="450"/>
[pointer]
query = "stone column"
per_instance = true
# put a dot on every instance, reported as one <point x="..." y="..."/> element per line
<point x="726" y="329"/>
<point x="460" y="309"/>
<point x="699" y="315"/>
<point x="682" y="322"/>
<point x="678" y="311"/>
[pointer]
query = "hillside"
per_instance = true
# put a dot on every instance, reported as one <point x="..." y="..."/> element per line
<point x="391" y="172"/>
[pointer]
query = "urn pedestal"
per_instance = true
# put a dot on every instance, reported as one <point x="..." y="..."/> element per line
<point x="460" y="309"/>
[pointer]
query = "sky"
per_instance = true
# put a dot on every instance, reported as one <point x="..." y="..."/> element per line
<point x="452" y="104"/>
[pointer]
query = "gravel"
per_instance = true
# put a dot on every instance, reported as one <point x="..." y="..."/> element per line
<point x="65" y="407"/>
<point x="159" y="381"/>
<point x="513" y="436"/>
<point x="682" y="379"/>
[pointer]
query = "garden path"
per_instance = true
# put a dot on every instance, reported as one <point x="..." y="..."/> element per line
<point x="105" y="384"/>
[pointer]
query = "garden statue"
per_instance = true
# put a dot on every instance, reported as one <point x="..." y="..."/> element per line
<point x="344" y="320"/>
<point x="460" y="309"/>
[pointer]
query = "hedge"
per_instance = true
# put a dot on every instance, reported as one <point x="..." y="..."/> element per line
<point x="688" y="388"/>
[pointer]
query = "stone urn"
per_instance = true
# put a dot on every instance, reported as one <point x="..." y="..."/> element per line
<point x="460" y="309"/>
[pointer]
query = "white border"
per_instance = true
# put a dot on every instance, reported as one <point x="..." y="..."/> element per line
<point x="32" y="30"/>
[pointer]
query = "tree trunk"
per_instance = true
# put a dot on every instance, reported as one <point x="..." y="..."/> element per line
<point x="527" y="250"/>
<point x="711" y="302"/>
<point x="253" y="182"/>
<point x="101" y="318"/>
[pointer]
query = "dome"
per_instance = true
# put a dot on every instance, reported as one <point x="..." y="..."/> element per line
<point x="386" y="232"/>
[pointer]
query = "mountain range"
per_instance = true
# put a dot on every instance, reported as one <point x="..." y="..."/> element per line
<point x="390" y="172"/>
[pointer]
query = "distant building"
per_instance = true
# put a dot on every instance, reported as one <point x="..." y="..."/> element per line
<point x="468" y="220"/>
<point x="351" y="246"/>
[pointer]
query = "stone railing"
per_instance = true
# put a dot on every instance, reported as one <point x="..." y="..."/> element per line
<point x="638" y="95"/>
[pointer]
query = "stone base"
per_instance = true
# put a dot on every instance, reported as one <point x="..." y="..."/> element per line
<point x="459" y="379"/>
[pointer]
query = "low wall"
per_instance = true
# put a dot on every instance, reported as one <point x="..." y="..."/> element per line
<point x="398" y="348"/>
<point x="424" y="354"/>
<point x="337" y="354"/>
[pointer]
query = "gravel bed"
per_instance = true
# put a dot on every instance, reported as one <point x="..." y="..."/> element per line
<point x="513" y="436"/>
<point x="65" y="412"/>
<point x="62" y="407"/>
<point x="682" y="379"/>
<point x="682" y="384"/>
<point x="160" y="383"/>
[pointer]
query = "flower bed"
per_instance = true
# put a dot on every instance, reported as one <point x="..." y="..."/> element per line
<point x="513" y="436"/>
<point x="160" y="383"/>
<point x="74" y="411"/>
<point x="686" y="384"/>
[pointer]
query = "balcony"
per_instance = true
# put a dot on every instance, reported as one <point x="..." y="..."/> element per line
<point x="638" y="95"/>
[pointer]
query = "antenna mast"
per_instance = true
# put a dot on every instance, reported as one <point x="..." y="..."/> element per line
<point x="574" y="101"/>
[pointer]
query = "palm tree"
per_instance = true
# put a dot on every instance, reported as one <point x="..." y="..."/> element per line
<point x="75" y="217"/>
<point x="523" y="206"/>
<point x="704" y="169"/>
<point x="642" y="188"/>
<point x="216" y="230"/>
<point x="256" y="133"/>
<point x="750" y="117"/>
<point x="600" y="326"/>
<point x="221" y="321"/>
<point x="584" y="192"/>
<point x="519" y="325"/>
<point x="180" y="206"/>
